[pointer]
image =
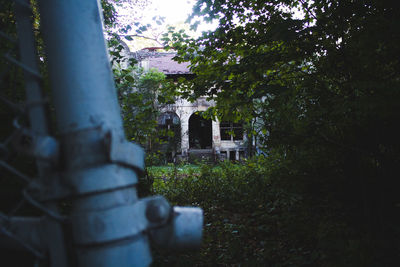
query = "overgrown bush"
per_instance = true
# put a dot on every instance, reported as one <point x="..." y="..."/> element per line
<point x="261" y="213"/>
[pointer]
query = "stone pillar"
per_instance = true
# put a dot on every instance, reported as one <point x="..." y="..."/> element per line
<point x="216" y="137"/>
<point x="185" y="132"/>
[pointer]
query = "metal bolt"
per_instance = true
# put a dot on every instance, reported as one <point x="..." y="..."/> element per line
<point x="158" y="211"/>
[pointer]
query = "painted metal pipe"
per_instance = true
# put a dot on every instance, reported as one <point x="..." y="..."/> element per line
<point x="79" y="66"/>
<point x="88" y="117"/>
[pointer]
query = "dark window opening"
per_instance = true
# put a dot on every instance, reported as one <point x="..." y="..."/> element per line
<point x="225" y="128"/>
<point x="231" y="131"/>
<point x="169" y="127"/>
<point x="232" y="155"/>
<point x="223" y="155"/>
<point x="200" y="132"/>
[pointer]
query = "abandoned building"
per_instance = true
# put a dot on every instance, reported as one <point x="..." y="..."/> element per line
<point x="199" y="137"/>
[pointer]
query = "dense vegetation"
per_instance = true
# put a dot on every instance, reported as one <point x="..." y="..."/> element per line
<point x="141" y="93"/>
<point x="320" y="92"/>
<point x="260" y="213"/>
<point x="320" y="89"/>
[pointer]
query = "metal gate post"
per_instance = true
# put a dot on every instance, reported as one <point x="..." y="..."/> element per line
<point x="38" y="124"/>
<point x="98" y="165"/>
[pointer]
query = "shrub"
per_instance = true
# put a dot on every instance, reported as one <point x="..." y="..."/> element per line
<point x="262" y="212"/>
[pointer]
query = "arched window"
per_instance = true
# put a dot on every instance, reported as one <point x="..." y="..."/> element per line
<point x="200" y="132"/>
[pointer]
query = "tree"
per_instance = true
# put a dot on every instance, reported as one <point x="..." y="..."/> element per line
<point x="323" y="78"/>
<point x="141" y="93"/>
<point x="138" y="94"/>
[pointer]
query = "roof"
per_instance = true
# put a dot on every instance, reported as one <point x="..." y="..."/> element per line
<point x="151" y="58"/>
<point x="165" y="64"/>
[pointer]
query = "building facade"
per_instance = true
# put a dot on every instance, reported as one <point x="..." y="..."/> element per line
<point x="199" y="137"/>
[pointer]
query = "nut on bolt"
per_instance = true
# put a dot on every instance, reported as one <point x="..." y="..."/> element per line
<point x="158" y="210"/>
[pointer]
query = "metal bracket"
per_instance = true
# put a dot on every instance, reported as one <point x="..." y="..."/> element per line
<point x="100" y="226"/>
<point x="178" y="228"/>
<point x="99" y="178"/>
<point x="183" y="231"/>
<point x="121" y="161"/>
<point x="123" y="152"/>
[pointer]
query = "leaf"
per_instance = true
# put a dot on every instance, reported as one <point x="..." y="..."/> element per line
<point x="129" y="78"/>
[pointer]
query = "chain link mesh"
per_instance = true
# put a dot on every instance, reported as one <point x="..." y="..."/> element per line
<point x="14" y="108"/>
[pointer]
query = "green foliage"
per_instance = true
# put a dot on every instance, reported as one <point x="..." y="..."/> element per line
<point x="321" y="89"/>
<point x="297" y="76"/>
<point x="255" y="215"/>
<point x="137" y="93"/>
<point x="113" y="22"/>
<point x="109" y="13"/>
<point x="142" y="95"/>
<point x="12" y="90"/>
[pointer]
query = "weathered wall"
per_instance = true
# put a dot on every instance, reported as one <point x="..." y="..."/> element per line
<point x="184" y="109"/>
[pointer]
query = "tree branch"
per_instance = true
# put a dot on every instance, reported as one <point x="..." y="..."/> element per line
<point x="308" y="9"/>
<point x="141" y="36"/>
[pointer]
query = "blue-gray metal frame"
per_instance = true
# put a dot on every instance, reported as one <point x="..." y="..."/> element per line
<point x="90" y="163"/>
<point x="87" y="112"/>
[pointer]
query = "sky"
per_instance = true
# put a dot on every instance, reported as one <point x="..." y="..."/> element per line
<point x="174" y="11"/>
